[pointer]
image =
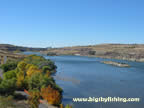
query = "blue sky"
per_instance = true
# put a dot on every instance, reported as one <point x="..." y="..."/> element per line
<point x="57" y="23"/>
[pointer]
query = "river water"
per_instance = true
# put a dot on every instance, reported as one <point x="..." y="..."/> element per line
<point x="91" y="78"/>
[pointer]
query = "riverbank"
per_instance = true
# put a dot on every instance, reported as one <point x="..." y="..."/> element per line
<point x="34" y="75"/>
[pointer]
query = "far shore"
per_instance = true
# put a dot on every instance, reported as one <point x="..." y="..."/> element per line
<point x="130" y="52"/>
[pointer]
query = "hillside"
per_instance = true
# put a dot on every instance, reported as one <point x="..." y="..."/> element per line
<point x="13" y="48"/>
<point x="11" y="52"/>
<point x="133" y="52"/>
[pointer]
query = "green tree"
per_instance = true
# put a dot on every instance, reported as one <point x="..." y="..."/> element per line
<point x="9" y="75"/>
<point x="10" y="65"/>
<point x="38" y="80"/>
<point x="8" y="86"/>
<point x="34" y="98"/>
<point x="0" y="80"/>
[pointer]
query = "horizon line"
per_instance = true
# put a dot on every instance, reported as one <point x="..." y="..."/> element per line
<point x="75" y="45"/>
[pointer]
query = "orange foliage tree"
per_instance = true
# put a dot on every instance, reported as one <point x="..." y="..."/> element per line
<point x="51" y="95"/>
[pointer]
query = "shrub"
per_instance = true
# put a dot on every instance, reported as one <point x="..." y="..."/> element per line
<point x="51" y="95"/>
<point x="46" y="81"/>
<point x="34" y="98"/>
<point x="0" y="80"/>
<point x="38" y="80"/>
<point x="10" y="65"/>
<point x="32" y="70"/>
<point x="34" y="59"/>
<point x="8" y="86"/>
<point x="40" y="62"/>
<point x="20" y="79"/>
<point x="35" y="81"/>
<point x="45" y="68"/>
<point x="22" y="66"/>
<point x="9" y="75"/>
<point x="47" y="65"/>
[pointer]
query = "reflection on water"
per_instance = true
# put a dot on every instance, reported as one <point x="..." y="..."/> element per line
<point x="67" y="79"/>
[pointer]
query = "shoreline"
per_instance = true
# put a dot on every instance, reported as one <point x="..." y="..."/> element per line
<point x="131" y="60"/>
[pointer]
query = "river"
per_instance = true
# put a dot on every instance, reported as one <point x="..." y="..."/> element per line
<point x="91" y="78"/>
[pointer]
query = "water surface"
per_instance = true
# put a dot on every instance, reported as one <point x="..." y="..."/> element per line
<point x="99" y="80"/>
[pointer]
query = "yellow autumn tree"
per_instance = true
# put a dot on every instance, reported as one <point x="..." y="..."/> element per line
<point x="20" y="79"/>
<point x="22" y="66"/>
<point x="21" y="73"/>
<point x="32" y="70"/>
